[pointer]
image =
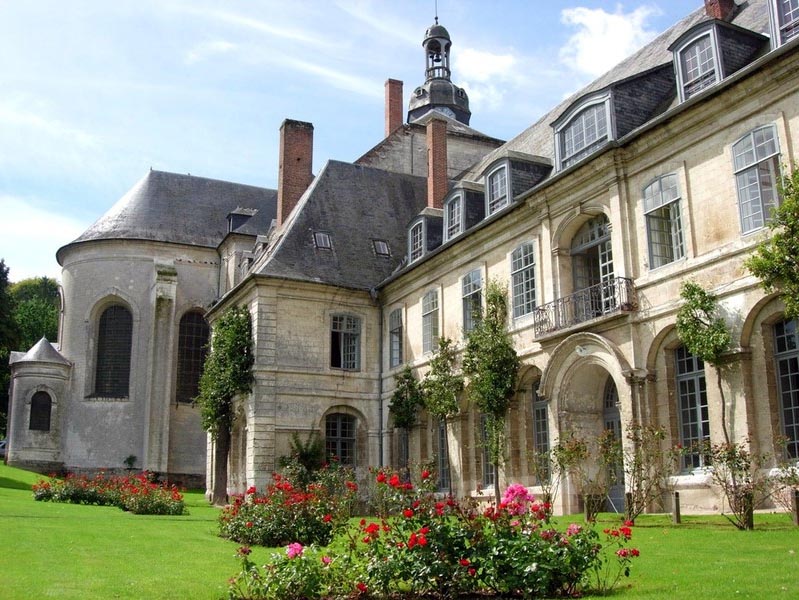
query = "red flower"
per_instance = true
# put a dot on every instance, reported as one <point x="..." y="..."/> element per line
<point x="249" y="524"/>
<point x="465" y="562"/>
<point x="472" y="572"/>
<point x="635" y="552"/>
<point x="408" y="513"/>
<point x="251" y="490"/>
<point x="327" y="518"/>
<point x="381" y="477"/>
<point x="351" y="485"/>
<point x="361" y="587"/>
<point x="394" y="481"/>
<point x="425" y="474"/>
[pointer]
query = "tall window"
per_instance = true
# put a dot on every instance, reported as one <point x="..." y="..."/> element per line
<point x="345" y="343"/>
<point x="41" y="409"/>
<point x="192" y="340"/>
<point x="497" y="189"/>
<point x="395" y="337"/>
<point x="584" y="133"/>
<point x="340" y="430"/>
<point x="787" y="13"/>
<point x="541" y="432"/>
<point x="416" y="241"/>
<point x="489" y="470"/>
<point x="430" y="321"/>
<point x="472" y="299"/>
<point x="756" y="163"/>
<point x="453" y="217"/>
<point x="663" y="224"/>
<point x="786" y="356"/>
<point x="522" y="267"/>
<point x="697" y="66"/>
<point x="114" y="339"/>
<point x="692" y="407"/>
<point x="444" y="481"/>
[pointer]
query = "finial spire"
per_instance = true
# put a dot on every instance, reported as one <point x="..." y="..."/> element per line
<point x="436" y="2"/>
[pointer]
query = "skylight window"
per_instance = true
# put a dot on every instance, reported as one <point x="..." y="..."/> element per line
<point x="381" y="248"/>
<point x="322" y="241"/>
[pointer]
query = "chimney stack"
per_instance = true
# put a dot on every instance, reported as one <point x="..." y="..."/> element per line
<point x="295" y="166"/>
<point x="720" y="9"/>
<point x="393" y="105"/>
<point x="437" y="180"/>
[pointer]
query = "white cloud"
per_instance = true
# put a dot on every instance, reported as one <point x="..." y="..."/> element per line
<point x="30" y="236"/>
<point x="28" y="117"/>
<point x="603" y="39"/>
<point x="486" y="76"/>
<point x="208" y="49"/>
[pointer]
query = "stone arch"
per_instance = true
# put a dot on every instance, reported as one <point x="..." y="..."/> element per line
<point x="346" y="416"/>
<point x="565" y="230"/>
<point x="770" y="303"/>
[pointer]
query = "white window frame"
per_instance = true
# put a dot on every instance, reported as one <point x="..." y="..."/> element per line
<point x="756" y="212"/>
<point x="395" y="338"/>
<point x="416" y="251"/>
<point x="497" y="201"/>
<point x="702" y="78"/>
<point x="692" y="407"/>
<point x="322" y="240"/>
<point x="663" y="206"/>
<point x="430" y="321"/>
<point x="587" y="148"/>
<point x="782" y="30"/>
<point x="453" y="224"/>
<point x="345" y="330"/>
<point x="471" y="287"/>
<point x="523" y="280"/>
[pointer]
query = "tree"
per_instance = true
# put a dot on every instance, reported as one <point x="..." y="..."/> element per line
<point x="704" y="334"/>
<point x="227" y="372"/>
<point x="775" y="261"/>
<point x="37" y="303"/>
<point x="9" y="340"/>
<point x="405" y="403"/>
<point x="442" y="385"/>
<point x="492" y="364"/>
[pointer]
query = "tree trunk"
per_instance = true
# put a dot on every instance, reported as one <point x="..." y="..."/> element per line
<point x="723" y="406"/>
<point x="221" y="453"/>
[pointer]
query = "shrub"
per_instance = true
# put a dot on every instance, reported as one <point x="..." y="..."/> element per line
<point x="139" y="494"/>
<point x="285" y="513"/>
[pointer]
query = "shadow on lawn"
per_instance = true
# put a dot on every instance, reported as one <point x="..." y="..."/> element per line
<point x="14" y="484"/>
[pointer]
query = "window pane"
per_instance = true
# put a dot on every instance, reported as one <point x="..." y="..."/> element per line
<point x="41" y="409"/>
<point x="586" y="132"/>
<point x="430" y="321"/>
<point x="416" y="241"/>
<point x="340" y="438"/>
<point x="692" y="407"/>
<point x="523" y="280"/>
<point x="497" y="190"/>
<point x="472" y="299"/>
<point x="788" y="19"/>
<point x="756" y="162"/>
<point x="192" y="341"/>
<point x="345" y="336"/>
<point x="786" y="356"/>
<point x="114" y="338"/>
<point x="395" y="337"/>
<point x="698" y="66"/>
<point x="454" y="211"/>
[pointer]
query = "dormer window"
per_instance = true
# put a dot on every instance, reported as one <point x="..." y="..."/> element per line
<point x="453" y="217"/>
<point x="497" y="186"/>
<point x="381" y="248"/>
<point x="416" y="241"/>
<point x="322" y="241"/>
<point x="786" y="17"/>
<point x="584" y="132"/>
<point x="698" y="65"/>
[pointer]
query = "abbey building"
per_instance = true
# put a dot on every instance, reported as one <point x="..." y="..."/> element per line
<point x="665" y="169"/>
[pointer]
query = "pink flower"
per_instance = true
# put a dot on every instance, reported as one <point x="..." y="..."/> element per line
<point x="326" y="560"/>
<point x="573" y="529"/>
<point x="294" y="550"/>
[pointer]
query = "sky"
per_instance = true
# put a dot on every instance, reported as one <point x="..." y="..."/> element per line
<point x="95" y="93"/>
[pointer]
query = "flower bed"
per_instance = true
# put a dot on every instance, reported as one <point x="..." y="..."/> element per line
<point x="426" y="546"/>
<point x="286" y="513"/>
<point x="139" y="494"/>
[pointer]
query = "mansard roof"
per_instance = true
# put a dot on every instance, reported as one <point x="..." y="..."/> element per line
<point x="355" y="205"/>
<point x="539" y="138"/>
<point x="182" y="209"/>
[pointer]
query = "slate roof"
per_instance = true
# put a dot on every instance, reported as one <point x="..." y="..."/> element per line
<point x="182" y="209"/>
<point x="42" y="351"/>
<point x="355" y="205"/>
<point x="539" y="138"/>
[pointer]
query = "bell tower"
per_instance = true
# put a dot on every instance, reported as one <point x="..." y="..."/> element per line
<point x="438" y="92"/>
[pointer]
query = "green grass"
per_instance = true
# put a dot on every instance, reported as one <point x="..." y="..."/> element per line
<point x="67" y="551"/>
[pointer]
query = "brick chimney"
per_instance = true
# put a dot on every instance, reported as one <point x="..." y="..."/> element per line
<point x="393" y="105"/>
<point x="295" y="166"/>
<point x="437" y="181"/>
<point x="720" y="9"/>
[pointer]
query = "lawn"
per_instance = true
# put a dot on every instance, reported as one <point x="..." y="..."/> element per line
<point x="67" y="551"/>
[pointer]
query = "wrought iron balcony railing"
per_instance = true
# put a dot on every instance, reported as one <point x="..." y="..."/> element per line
<point x="614" y="296"/>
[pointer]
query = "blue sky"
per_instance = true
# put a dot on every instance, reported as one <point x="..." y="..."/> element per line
<point x="94" y="93"/>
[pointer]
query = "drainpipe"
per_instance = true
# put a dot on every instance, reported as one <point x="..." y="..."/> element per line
<point x="374" y="295"/>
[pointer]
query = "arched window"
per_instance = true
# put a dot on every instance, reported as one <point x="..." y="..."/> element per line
<point x="114" y="338"/>
<point x="340" y="430"/>
<point x="41" y="408"/>
<point x="192" y="340"/>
